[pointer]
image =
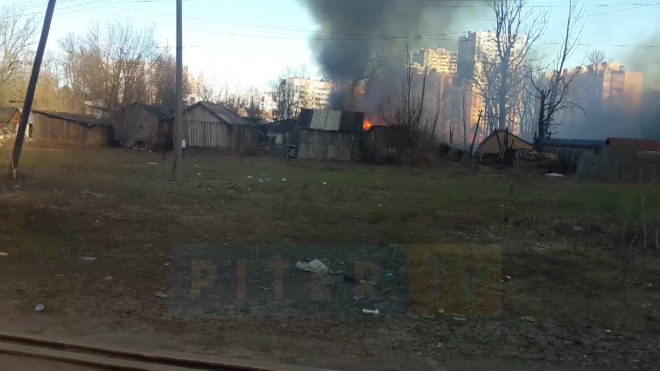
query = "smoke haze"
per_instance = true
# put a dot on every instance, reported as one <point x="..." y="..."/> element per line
<point x="374" y="23"/>
<point x="646" y="60"/>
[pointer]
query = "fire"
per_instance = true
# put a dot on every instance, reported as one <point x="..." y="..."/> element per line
<point x="367" y="125"/>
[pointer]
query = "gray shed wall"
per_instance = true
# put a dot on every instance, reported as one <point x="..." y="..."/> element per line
<point x="61" y="131"/>
<point x="617" y="165"/>
<point x="204" y="129"/>
<point x="136" y="123"/>
<point x="327" y="145"/>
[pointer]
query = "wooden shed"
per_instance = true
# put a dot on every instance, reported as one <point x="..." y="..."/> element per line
<point x="330" y="135"/>
<point x="384" y="143"/>
<point x="145" y="126"/>
<point x="9" y="119"/>
<point x="498" y="140"/>
<point x="279" y="132"/>
<point x="71" y="129"/>
<point x="212" y="125"/>
<point x="633" y="145"/>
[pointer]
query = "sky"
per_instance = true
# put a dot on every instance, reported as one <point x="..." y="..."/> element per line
<point x="253" y="40"/>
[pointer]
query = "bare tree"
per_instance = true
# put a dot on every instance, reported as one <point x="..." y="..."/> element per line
<point x="597" y="57"/>
<point x="253" y="110"/>
<point x="480" y="82"/>
<point x="17" y="32"/>
<point x="161" y="76"/>
<point x="205" y="92"/>
<point x="111" y="64"/>
<point x="288" y="94"/>
<point x="518" y="27"/>
<point x="528" y="109"/>
<point x="598" y="68"/>
<point x="414" y="113"/>
<point x="233" y="102"/>
<point x="552" y="91"/>
<point x="351" y="92"/>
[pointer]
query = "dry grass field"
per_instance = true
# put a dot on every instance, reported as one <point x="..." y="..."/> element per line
<point x="577" y="256"/>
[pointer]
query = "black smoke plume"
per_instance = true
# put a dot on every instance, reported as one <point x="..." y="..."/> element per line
<point x="353" y="31"/>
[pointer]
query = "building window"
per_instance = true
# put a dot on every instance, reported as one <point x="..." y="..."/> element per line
<point x="140" y="144"/>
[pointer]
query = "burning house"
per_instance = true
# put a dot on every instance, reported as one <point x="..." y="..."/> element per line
<point x="330" y="135"/>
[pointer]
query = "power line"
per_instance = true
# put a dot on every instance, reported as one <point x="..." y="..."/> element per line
<point x="281" y="28"/>
<point x="334" y="32"/>
<point x="417" y="37"/>
<point x="429" y="4"/>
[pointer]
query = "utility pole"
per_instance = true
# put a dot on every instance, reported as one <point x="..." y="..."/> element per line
<point x="178" y="124"/>
<point x="32" y="86"/>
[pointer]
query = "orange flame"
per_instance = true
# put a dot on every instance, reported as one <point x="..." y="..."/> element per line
<point x="367" y="125"/>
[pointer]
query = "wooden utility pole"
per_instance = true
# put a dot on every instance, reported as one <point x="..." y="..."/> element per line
<point x="178" y="124"/>
<point x="32" y="86"/>
<point x="475" y="133"/>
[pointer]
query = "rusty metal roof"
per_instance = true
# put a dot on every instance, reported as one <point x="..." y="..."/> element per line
<point x="642" y="145"/>
<point x="161" y="112"/>
<point x="497" y="131"/>
<point x="573" y="143"/>
<point x="223" y="114"/>
<point x="76" y="118"/>
<point x="6" y="113"/>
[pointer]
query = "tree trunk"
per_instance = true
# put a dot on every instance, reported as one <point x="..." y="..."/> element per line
<point x="474" y="138"/>
<point x="541" y="124"/>
<point x="502" y="94"/>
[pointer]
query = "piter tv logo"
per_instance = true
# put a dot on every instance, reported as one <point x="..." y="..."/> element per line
<point x="398" y="280"/>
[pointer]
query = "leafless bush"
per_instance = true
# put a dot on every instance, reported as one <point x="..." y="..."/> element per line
<point x="413" y="111"/>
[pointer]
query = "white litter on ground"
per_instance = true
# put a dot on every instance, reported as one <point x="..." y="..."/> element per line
<point x="314" y="266"/>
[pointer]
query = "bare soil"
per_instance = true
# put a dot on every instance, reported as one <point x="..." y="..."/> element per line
<point x="452" y="257"/>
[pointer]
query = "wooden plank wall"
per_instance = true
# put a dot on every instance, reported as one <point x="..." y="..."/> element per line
<point x="616" y="165"/>
<point x="136" y="123"/>
<point x="57" y="130"/>
<point x="204" y="129"/>
<point x="327" y="145"/>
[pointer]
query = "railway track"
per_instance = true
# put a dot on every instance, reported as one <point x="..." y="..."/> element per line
<point x="19" y="347"/>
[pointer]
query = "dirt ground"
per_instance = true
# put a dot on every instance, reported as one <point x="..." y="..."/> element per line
<point x="469" y="269"/>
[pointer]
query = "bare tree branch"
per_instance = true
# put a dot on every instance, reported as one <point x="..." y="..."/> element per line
<point x="552" y="91"/>
<point x="410" y="113"/>
<point x="17" y="32"/>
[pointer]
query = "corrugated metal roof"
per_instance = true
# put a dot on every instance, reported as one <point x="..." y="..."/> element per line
<point x="163" y="113"/>
<point x="634" y="144"/>
<point x="331" y="120"/>
<point x="76" y="118"/>
<point x="6" y="113"/>
<point x="223" y="114"/>
<point x="575" y="143"/>
<point x="495" y="132"/>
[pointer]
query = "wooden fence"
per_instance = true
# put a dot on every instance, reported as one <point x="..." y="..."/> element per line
<point x="620" y="166"/>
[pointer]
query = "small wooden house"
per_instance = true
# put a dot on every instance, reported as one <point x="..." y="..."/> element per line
<point x="330" y="135"/>
<point x="71" y="129"/>
<point x="10" y="117"/>
<point x="144" y="126"/>
<point x="500" y="140"/>
<point x="384" y="143"/>
<point x="212" y="125"/>
<point x="279" y="133"/>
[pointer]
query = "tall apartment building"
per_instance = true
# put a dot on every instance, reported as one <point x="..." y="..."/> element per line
<point x="602" y="89"/>
<point x="438" y="59"/>
<point x="306" y="93"/>
<point x="471" y="49"/>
